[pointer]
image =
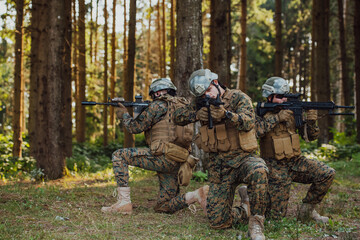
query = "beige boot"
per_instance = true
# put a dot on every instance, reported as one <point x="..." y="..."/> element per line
<point x="245" y="202"/>
<point x="256" y="227"/>
<point x="123" y="205"/>
<point x="307" y="212"/>
<point x="199" y="195"/>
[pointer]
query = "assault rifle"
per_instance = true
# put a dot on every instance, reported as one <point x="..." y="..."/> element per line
<point x="206" y="102"/>
<point x="297" y="106"/>
<point x="139" y="105"/>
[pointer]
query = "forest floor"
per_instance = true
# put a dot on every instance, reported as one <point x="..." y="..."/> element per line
<point x="69" y="208"/>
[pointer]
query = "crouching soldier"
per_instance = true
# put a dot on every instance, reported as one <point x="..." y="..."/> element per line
<point x="231" y="144"/>
<point x="280" y="148"/>
<point x="168" y="153"/>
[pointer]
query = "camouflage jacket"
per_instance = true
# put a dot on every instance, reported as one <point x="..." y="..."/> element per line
<point x="148" y="118"/>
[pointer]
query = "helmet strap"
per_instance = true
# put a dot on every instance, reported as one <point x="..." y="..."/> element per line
<point x="272" y="98"/>
<point x="217" y="87"/>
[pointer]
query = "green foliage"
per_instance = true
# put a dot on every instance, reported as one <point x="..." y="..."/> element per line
<point x="11" y="167"/>
<point x="200" y="176"/>
<point x="89" y="157"/>
<point x="341" y="148"/>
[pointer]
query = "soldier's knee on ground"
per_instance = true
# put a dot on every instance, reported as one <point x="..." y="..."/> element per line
<point x="216" y="224"/>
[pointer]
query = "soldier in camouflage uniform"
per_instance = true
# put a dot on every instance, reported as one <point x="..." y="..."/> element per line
<point x="280" y="148"/>
<point x="231" y="144"/>
<point x="162" y="136"/>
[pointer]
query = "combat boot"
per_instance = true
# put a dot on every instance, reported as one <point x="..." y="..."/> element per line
<point x="199" y="195"/>
<point x="307" y="212"/>
<point x="245" y="202"/>
<point x="256" y="227"/>
<point x="123" y="205"/>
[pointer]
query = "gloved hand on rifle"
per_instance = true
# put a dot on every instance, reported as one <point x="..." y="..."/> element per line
<point x="217" y="113"/>
<point x="286" y="116"/>
<point x="311" y="115"/>
<point x="202" y="114"/>
<point x="121" y="109"/>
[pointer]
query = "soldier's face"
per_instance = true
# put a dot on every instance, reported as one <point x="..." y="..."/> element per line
<point x="212" y="91"/>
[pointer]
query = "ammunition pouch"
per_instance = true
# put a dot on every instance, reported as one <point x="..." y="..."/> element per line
<point x="186" y="170"/>
<point x="157" y="148"/>
<point x="280" y="146"/>
<point x="223" y="139"/>
<point x="176" y="153"/>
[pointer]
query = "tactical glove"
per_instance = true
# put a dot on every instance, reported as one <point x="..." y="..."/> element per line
<point x="311" y="115"/>
<point x="202" y="114"/>
<point x="286" y="116"/>
<point x="217" y="113"/>
<point x="120" y="111"/>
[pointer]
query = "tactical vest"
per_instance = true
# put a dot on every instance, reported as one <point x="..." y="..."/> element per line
<point x="281" y="142"/>
<point x="224" y="136"/>
<point x="167" y="138"/>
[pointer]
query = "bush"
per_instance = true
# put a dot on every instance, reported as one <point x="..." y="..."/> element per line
<point x="341" y="148"/>
<point x="11" y="167"/>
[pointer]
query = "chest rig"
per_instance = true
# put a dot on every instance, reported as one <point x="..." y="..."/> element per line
<point x="281" y="142"/>
<point x="165" y="136"/>
<point x="224" y="136"/>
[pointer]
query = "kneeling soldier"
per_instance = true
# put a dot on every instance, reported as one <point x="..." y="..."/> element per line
<point x="280" y="148"/>
<point x="168" y="153"/>
<point x="231" y="144"/>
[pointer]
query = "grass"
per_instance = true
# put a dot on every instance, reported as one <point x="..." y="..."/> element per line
<point x="69" y="208"/>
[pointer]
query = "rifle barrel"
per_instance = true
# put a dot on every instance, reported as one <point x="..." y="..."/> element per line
<point x="352" y="107"/>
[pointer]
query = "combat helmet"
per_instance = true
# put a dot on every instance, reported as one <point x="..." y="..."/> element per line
<point x="200" y="81"/>
<point x="161" y="84"/>
<point x="275" y="85"/>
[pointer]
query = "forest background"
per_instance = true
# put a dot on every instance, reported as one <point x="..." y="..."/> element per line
<point x="53" y="60"/>
<point x="55" y="54"/>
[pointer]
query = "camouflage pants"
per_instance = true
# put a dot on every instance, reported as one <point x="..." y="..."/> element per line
<point x="169" y="200"/>
<point x="224" y="180"/>
<point x="298" y="169"/>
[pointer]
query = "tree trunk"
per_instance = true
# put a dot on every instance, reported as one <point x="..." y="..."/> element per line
<point x="219" y="40"/>
<point x="189" y="51"/>
<point x="345" y="94"/>
<point x="81" y="123"/>
<point x="129" y="80"/>
<point x="125" y="47"/>
<point x="48" y="77"/>
<point x="172" y="39"/>
<point x="148" y="39"/>
<point x="241" y="82"/>
<point x="163" y="39"/>
<point x="96" y="32"/>
<point x="278" y="37"/>
<point x="357" y="66"/>
<point x="66" y="91"/>
<point x="321" y="63"/>
<point x="105" y="92"/>
<point x="158" y="30"/>
<point x="113" y="66"/>
<point x="189" y="43"/>
<point x="19" y="83"/>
